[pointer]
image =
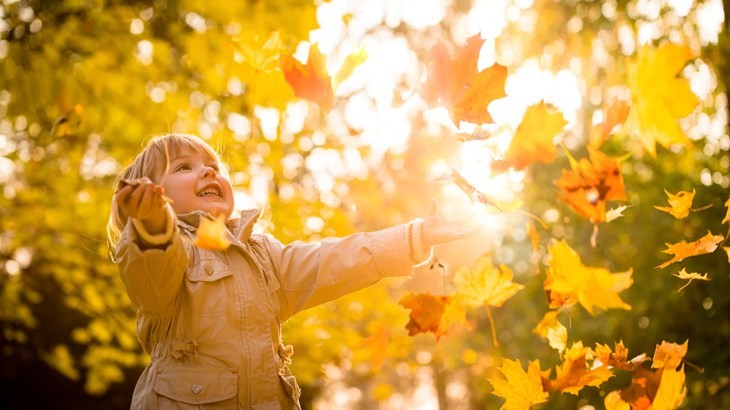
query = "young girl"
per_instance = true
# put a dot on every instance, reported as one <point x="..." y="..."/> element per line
<point x="211" y="320"/>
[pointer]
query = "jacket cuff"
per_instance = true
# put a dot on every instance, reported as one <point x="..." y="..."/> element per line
<point x="160" y="238"/>
<point x="415" y="243"/>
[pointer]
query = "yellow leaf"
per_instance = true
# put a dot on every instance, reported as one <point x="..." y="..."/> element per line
<point x="727" y="214"/>
<point x="520" y="389"/>
<point x="592" y="287"/>
<point x="679" y="204"/>
<point x="659" y="98"/>
<point x="533" y="139"/>
<point x="378" y="345"/>
<point x="613" y="401"/>
<point x="554" y="331"/>
<point x="352" y="62"/>
<point x="261" y="54"/>
<point x="485" y="284"/>
<point x="689" y="277"/>
<point x="681" y="250"/>
<point x="211" y="234"/>
<point x="671" y="390"/>
<point x="576" y="372"/>
<point x="669" y="355"/>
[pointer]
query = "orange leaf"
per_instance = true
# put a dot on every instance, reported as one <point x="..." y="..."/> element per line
<point x="587" y="188"/>
<point x="310" y="81"/>
<point x="576" y="372"/>
<point x="378" y="344"/>
<point x="520" y="389"/>
<point x="658" y="96"/>
<point x="568" y="281"/>
<point x="615" y="113"/>
<point x="681" y="250"/>
<point x="211" y="234"/>
<point x="618" y="358"/>
<point x="457" y="85"/>
<point x="533" y="139"/>
<point x="427" y="312"/>
<point x="669" y="355"/>
<point x="679" y="204"/>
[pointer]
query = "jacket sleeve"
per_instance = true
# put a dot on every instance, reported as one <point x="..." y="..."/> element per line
<point x="152" y="275"/>
<point x="310" y="274"/>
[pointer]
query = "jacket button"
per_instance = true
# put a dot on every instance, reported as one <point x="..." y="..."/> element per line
<point x="208" y="268"/>
<point x="196" y="388"/>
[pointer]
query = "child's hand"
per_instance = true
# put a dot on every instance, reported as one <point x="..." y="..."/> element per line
<point x="436" y="230"/>
<point x="143" y="200"/>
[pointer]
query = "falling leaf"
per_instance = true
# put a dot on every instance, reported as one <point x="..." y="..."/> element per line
<point x="615" y="213"/>
<point x="689" y="277"/>
<point x="727" y="214"/>
<point x="378" y="345"/>
<point x="669" y="355"/>
<point x="458" y="85"/>
<point x="727" y="251"/>
<point x="309" y="81"/>
<point x="671" y="390"/>
<point x="576" y="371"/>
<point x="659" y="98"/>
<point x="615" y="113"/>
<point x="520" y="389"/>
<point x="533" y="139"/>
<point x="593" y="182"/>
<point x="352" y="62"/>
<point x="485" y="284"/>
<point x="427" y="313"/>
<point x="681" y="250"/>
<point x="261" y="54"/>
<point x="568" y="281"/>
<point x="554" y="331"/>
<point x="679" y="204"/>
<point x="618" y="357"/>
<point x="211" y="234"/>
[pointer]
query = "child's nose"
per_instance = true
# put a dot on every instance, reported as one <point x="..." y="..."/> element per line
<point x="208" y="172"/>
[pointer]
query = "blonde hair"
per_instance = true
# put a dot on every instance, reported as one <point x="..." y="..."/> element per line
<point x="152" y="163"/>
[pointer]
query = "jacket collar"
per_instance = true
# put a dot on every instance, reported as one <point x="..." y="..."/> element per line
<point x="241" y="228"/>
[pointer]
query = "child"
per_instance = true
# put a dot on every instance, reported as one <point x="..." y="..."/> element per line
<point x="211" y="320"/>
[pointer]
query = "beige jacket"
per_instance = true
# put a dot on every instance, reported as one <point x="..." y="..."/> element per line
<point x="211" y="320"/>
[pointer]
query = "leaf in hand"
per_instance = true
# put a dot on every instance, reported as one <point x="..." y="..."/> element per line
<point x="310" y="81"/>
<point x="593" y="182"/>
<point x="211" y="234"/>
<point x="568" y="281"/>
<point x="520" y="389"/>
<point x="679" y="204"/>
<point x="577" y="371"/>
<point x="659" y="98"/>
<point x="426" y="314"/>
<point x="458" y="85"/>
<point x="681" y="250"/>
<point x="533" y="139"/>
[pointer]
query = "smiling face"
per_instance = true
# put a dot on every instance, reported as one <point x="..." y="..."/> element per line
<point x="195" y="182"/>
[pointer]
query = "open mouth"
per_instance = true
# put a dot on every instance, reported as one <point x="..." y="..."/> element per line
<point x="210" y="191"/>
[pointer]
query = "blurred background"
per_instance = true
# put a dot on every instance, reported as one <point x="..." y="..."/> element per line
<point x="84" y="83"/>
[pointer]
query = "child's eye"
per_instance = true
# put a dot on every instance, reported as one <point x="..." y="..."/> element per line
<point x="182" y="166"/>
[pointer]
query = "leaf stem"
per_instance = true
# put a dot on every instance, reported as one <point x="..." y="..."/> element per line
<point x="491" y="325"/>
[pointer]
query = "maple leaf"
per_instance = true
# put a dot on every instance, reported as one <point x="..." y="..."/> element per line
<point x="259" y="53"/>
<point x="618" y="357"/>
<point x="681" y="250"/>
<point x="211" y="234"/>
<point x="591" y="183"/>
<point x="671" y="391"/>
<point x="575" y="372"/>
<point x="689" y="277"/>
<point x="378" y="345"/>
<point x="659" y="98"/>
<point x="554" y="331"/>
<point x="533" y="139"/>
<point x="486" y="285"/>
<point x="669" y="355"/>
<point x="430" y="313"/>
<point x="520" y="389"/>
<point x="458" y="85"/>
<point x="310" y="81"/>
<point x="568" y="281"/>
<point x="679" y="204"/>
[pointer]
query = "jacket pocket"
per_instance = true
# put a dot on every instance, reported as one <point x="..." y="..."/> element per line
<point x="207" y="387"/>
<point x="209" y="283"/>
